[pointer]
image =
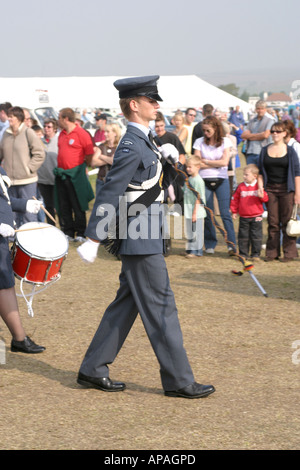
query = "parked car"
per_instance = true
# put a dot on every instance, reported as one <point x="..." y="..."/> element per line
<point x="40" y="114"/>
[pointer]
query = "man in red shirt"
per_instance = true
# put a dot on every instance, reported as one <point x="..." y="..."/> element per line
<point x="75" y="147"/>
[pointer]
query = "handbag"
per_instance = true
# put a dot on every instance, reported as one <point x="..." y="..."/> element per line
<point x="293" y="225"/>
<point x="213" y="183"/>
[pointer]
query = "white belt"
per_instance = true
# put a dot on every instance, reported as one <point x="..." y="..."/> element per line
<point x="132" y="196"/>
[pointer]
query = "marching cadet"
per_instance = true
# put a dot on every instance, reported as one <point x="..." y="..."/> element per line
<point x="144" y="281"/>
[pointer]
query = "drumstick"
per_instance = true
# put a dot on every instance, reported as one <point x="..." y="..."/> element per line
<point x="45" y="210"/>
<point x="32" y="228"/>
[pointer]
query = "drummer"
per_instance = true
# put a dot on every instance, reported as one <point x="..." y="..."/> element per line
<point x="9" y="310"/>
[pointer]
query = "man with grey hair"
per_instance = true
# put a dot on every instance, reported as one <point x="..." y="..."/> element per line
<point x="257" y="133"/>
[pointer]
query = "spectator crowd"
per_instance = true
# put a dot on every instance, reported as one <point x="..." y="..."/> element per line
<point x="52" y="164"/>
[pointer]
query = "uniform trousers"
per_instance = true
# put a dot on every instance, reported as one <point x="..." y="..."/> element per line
<point x="7" y="279"/>
<point x="144" y="289"/>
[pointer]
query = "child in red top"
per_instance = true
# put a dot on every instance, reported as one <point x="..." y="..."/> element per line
<point x="249" y="206"/>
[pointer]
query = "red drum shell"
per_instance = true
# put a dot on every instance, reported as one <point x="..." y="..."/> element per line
<point x="35" y="270"/>
<point x="43" y="266"/>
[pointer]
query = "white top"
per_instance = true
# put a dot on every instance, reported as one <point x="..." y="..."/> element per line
<point x="210" y="152"/>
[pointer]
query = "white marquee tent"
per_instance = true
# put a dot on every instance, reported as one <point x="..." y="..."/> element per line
<point x="180" y="91"/>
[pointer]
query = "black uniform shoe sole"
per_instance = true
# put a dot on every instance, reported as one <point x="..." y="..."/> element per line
<point x="24" y="351"/>
<point x="180" y="394"/>
<point x="88" y="384"/>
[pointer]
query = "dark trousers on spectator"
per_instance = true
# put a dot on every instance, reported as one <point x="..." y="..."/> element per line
<point x="250" y="236"/>
<point x="47" y="193"/>
<point x="72" y="218"/>
<point x="280" y="207"/>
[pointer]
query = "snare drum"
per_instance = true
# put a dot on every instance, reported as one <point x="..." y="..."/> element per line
<point x="38" y="253"/>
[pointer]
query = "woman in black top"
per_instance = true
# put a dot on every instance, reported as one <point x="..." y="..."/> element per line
<point x="280" y="176"/>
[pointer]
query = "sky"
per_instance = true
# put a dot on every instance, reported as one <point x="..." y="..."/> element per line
<point x="212" y="39"/>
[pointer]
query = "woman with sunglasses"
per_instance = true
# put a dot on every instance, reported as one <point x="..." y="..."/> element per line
<point x="280" y="176"/>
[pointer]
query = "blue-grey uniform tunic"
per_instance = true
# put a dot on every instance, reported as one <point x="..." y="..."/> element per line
<point x="144" y="281"/>
<point x="7" y="206"/>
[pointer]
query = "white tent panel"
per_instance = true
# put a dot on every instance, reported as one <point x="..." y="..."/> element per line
<point x="98" y="92"/>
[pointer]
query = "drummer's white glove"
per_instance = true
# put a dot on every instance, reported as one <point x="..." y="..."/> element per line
<point x="6" y="230"/>
<point x="88" y="251"/>
<point x="169" y="153"/>
<point x="33" y="206"/>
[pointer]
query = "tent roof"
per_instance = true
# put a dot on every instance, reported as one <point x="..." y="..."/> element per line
<point x="179" y="91"/>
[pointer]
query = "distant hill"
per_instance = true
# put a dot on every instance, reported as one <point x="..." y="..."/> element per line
<point x="255" y="81"/>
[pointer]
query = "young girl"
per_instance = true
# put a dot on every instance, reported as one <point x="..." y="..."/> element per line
<point x="8" y="301"/>
<point x="180" y="130"/>
<point x="194" y="211"/>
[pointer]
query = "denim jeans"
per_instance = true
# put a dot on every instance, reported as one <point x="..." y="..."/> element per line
<point x="223" y="197"/>
<point x="252" y="158"/>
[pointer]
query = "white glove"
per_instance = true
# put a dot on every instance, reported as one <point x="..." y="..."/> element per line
<point x="88" y="251"/>
<point x="33" y="206"/>
<point x="6" y="230"/>
<point x="169" y="153"/>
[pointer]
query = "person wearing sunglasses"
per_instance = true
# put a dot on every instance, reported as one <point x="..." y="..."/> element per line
<point x="280" y="176"/>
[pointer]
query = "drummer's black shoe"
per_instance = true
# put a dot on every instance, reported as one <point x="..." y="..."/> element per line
<point x="26" y="346"/>
<point x="101" y="383"/>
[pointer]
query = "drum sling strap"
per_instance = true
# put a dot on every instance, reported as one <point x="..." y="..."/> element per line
<point x="113" y="241"/>
<point x="152" y="189"/>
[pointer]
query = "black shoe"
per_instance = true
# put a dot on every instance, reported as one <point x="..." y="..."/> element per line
<point x="101" y="383"/>
<point x="193" y="390"/>
<point x="26" y="346"/>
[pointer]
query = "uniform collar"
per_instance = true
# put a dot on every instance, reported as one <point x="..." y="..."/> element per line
<point x="141" y="127"/>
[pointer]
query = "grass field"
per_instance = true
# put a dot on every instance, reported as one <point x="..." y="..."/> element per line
<point x="237" y="339"/>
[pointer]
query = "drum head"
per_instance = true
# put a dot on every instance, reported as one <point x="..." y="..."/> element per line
<point x="45" y="243"/>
